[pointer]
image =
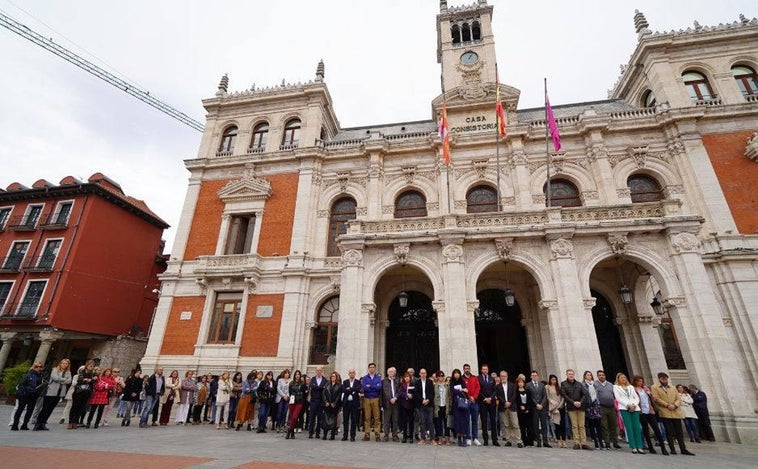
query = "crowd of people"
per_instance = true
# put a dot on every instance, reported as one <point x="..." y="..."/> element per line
<point x="423" y="408"/>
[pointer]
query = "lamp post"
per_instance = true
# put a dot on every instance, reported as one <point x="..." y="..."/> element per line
<point x="402" y="297"/>
<point x="509" y="296"/>
<point x="624" y="292"/>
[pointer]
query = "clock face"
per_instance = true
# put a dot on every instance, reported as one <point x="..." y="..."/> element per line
<point x="469" y="58"/>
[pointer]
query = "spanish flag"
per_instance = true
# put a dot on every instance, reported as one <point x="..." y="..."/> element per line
<point x="499" y="108"/>
<point x="444" y="134"/>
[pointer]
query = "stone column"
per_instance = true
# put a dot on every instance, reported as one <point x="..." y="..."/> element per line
<point x="572" y="331"/>
<point x="46" y="341"/>
<point x="7" y="338"/>
<point x="352" y="334"/>
<point x="457" y="334"/>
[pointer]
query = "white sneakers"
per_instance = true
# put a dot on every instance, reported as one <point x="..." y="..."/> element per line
<point x="476" y="442"/>
<point x="468" y="442"/>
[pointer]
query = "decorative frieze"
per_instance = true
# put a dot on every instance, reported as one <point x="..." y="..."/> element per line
<point x="361" y="211"/>
<point x="322" y="214"/>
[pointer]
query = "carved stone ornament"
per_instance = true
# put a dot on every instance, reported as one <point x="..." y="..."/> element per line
<point x="401" y="252"/>
<point x="548" y="305"/>
<point x="452" y="252"/>
<point x="639" y="154"/>
<point x="352" y="257"/>
<point x="334" y="281"/>
<point x="727" y="322"/>
<point x="562" y="248"/>
<point x="370" y="310"/>
<point x="674" y="302"/>
<point x="518" y="158"/>
<point x="504" y="248"/>
<point x="685" y="242"/>
<point x="342" y="179"/>
<point x="323" y="213"/>
<point x="480" y="166"/>
<point x="310" y="324"/>
<point x="410" y="173"/>
<point x="589" y="303"/>
<point x="361" y="211"/>
<point x="618" y="242"/>
<point x="248" y="188"/>
<point x="252" y="284"/>
<point x="624" y="193"/>
<point x="751" y="147"/>
<point x="226" y="282"/>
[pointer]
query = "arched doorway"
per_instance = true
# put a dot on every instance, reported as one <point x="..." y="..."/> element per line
<point x="412" y="336"/>
<point x="608" y="337"/>
<point x="500" y="337"/>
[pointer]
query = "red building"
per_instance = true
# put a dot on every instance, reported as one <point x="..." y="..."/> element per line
<point x="79" y="266"/>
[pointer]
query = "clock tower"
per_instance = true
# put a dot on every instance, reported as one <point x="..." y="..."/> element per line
<point x="466" y="48"/>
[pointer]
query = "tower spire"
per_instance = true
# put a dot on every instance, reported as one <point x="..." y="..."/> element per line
<point x="641" y="25"/>
<point x="320" y="71"/>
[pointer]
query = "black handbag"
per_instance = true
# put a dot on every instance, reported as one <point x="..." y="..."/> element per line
<point x="461" y="403"/>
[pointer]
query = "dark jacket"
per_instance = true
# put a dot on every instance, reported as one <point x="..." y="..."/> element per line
<point x="30" y="384"/>
<point x="486" y="390"/>
<point x="266" y="392"/>
<point x="348" y="390"/>
<point x="299" y="390"/>
<point x="387" y="390"/>
<point x="407" y="395"/>
<point x="151" y="385"/>
<point x="132" y="388"/>
<point x="332" y="397"/>
<point x="537" y="394"/>
<point x="500" y="393"/>
<point x="573" y="392"/>
<point x="417" y="397"/>
<point x="317" y="391"/>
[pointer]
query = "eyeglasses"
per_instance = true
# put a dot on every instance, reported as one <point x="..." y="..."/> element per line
<point x="37" y="366"/>
<point x="117" y="371"/>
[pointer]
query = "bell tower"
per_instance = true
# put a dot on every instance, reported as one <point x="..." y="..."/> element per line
<point x="466" y="48"/>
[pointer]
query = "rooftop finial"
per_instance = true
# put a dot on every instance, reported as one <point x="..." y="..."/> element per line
<point x="443" y="6"/>
<point x="641" y="25"/>
<point x="223" y="85"/>
<point x="320" y="71"/>
<point x="743" y="19"/>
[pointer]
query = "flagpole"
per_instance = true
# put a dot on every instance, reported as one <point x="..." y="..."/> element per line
<point x="547" y="148"/>
<point x="497" y="143"/>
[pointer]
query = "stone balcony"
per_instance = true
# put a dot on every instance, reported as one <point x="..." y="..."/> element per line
<point x="228" y="265"/>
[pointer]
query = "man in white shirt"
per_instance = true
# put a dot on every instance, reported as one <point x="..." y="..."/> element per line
<point x="424" y="398"/>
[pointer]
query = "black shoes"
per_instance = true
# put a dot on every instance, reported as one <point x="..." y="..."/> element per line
<point x="687" y="453"/>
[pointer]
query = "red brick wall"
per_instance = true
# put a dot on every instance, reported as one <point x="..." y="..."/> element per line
<point x="276" y="231"/>
<point x="181" y="336"/>
<point x="737" y="176"/>
<point x="261" y="335"/>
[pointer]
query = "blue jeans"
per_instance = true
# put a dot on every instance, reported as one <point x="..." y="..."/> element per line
<point x="281" y="415"/>
<point x="262" y="414"/>
<point x="473" y="409"/>
<point x="147" y="408"/>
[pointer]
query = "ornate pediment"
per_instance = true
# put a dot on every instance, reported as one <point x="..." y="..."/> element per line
<point x="484" y="93"/>
<point x="248" y="188"/>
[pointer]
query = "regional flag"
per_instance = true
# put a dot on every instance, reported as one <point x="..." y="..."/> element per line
<point x="551" y="124"/>
<point x="444" y="133"/>
<point x="499" y="108"/>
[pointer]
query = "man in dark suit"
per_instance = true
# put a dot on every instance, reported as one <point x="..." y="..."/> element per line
<point x="155" y="388"/>
<point x="316" y="406"/>
<point x="351" y="389"/>
<point x="390" y="389"/>
<point x="539" y="406"/>
<point x="507" y="409"/>
<point x="424" y="403"/>
<point x="487" y="407"/>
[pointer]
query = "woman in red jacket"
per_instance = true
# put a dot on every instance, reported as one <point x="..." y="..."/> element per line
<point x="99" y="398"/>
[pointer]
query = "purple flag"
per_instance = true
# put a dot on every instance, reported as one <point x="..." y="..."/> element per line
<point x="552" y="125"/>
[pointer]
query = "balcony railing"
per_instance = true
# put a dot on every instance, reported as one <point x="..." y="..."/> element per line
<point x="751" y="98"/>
<point x="224" y="153"/>
<point x="255" y="151"/>
<point x="23" y="311"/>
<point x="708" y="102"/>
<point x="40" y="264"/>
<point x="22" y="223"/>
<point x="54" y="221"/>
<point x="290" y="146"/>
<point x="10" y="264"/>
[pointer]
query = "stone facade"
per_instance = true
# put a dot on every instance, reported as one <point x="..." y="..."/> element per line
<point x="687" y="243"/>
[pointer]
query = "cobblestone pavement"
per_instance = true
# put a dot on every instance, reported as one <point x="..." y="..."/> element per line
<point x="204" y="447"/>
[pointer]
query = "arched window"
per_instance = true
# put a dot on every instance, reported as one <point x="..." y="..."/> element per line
<point x="644" y="188"/>
<point x="746" y="79"/>
<point x="563" y="194"/>
<point x="291" y="133"/>
<point x="476" y="31"/>
<point x="324" y="342"/>
<point x="466" y="32"/>
<point x="455" y="31"/>
<point x="697" y="86"/>
<point x="648" y="99"/>
<point x="410" y="204"/>
<point x="260" y="132"/>
<point x="343" y="210"/>
<point x="228" y="138"/>
<point x="481" y="199"/>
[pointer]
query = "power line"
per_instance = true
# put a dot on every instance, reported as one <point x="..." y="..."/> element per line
<point x="69" y="56"/>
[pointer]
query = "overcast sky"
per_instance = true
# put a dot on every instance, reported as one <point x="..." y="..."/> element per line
<point x="381" y="67"/>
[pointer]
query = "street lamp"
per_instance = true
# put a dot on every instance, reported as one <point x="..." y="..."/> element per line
<point x="624" y="292"/>
<point x="402" y="297"/>
<point x="510" y="297"/>
<point x="657" y="306"/>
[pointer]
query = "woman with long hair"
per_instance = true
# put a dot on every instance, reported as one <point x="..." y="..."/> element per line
<point x="523" y="413"/>
<point x="223" y="396"/>
<point x="199" y="396"/>
<point x="235" y="398"/>
<point x="593" y="417"/>
<point x="60" y="380"/>
<point x="405" y="397"/>
<point x="82" y="393"/>
<point x="131" y="394"/>
<point x="298" y="393"/>
<point x="266" y="396"/>
<point x="690" y="417"/>
<point x="629" y="407"/>
<point x="169" y="397"/>
<point x="459" y="401"/>
<point x="282" y="399"/>
<point x="441" y="406"/>
<point x="648" y="418"/>
<point x="332" y="403"/>
<point x="187" y="390"/>
<point x="246" y="404"/>
<point x="556" y="409"/>
<point x="99" y="399"/>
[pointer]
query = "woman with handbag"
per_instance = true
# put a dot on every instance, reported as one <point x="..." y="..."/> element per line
<point x="169" y="396"/>
<point x="197" y="398"/>
<point x="235" y="398"/>
<point x="461" y="415"/>
<point x="82" y="393"/>
<point x="266" y="395"/>
<point x="297" y="392"/>
<point x="594" y="415"/>
<point x="282" y="399"/>
<point x="332" y="403"/>
<point x="557" y="409"/>
<point x="100" y="394"/>
<point x="523" y="413"/>
<point x="246" y="404"/>
<point x="60" y="380"/>
<point x="223" y="396"/>
<point x="132" y="391"/>
<point x="27" y="391"/>
<point x="187" y="390"/>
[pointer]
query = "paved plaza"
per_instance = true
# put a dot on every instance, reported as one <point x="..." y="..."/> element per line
<point x="204" y="447"/>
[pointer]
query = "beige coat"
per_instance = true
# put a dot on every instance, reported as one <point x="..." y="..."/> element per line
<point x="664" y="397"/>
<point x="172" y="387"/>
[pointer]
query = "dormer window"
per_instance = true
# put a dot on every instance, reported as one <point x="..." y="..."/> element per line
<point x="697" y="86"/>
<point x="746" y="79"/>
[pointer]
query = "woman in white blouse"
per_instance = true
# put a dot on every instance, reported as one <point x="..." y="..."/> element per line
<point x="223" y="396"/>
<point x="629" y="406"/>
<point x="690" y="417"/>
